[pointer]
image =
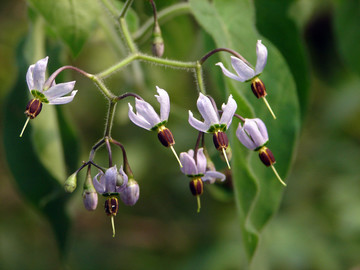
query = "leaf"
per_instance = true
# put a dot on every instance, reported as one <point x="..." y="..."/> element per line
<point x="72" y="20"/>
<point x="347" y="21"/>
<point x="257" y="191"/>
<point x="273" y="22"/>
<point x="39" y="187"/>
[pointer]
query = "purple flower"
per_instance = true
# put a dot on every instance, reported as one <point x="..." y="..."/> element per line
<point x="90" y="200"/>
<point x="212" y="121"/>
<point x="243" y="70"/>
<point x="198" y="169"/>
<point x="253" y="134"/>
<point x="130" y="194"/>
<point x="113" y="181"/>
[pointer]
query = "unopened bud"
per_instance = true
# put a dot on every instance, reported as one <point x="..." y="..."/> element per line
<point x="165" y="136"/>
<point x="111" y="206"/>
<point x="258" y="88"/>
<point x="70" y="183"/>
<point x="90" y="200"/>
<point x="130" y="195"/>
<point x="196" y="186"/>
<point x="266" y="156"/>
<point x="33" y="108"/>
<point x="158" y="42"/>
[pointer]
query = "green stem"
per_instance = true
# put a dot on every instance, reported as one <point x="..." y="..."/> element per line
<point x="162" y="16"/>
<point x="102" y="86"/>
<point x="125" y="29"/>
<point x="125" y="8"/>
<point x="167" y="62"/>
<point x="110" y="118"/>
<point x="118" y="66"/>
<point x="199" y="78"/>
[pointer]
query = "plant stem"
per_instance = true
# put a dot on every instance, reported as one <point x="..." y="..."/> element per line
<point x="127" y="35"/>
<point x="125" y="8"/>
<point x="110" y="118"/>
<point x="102" y="87"/>
<point x="118" y="66"/>
<point x="199" y="78"/>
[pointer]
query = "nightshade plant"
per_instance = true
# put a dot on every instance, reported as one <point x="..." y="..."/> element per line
<point x="114" y="184"/>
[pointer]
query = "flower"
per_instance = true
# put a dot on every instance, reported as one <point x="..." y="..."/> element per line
<point x="196" y="170"/>
<point x="212" y="121"/>
<point x="112" y="182"/>
<point x="130" y="194"/>
<point x="253" y="134"/>
<point x="147" y="118"/>
<point x="90" y="200"/>
<point x="242" y="68"/>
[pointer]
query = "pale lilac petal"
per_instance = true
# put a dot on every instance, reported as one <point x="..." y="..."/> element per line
<point x="188" y="162"/>
<point x="63" y="100"/>
<point x="99" y="186"/>
<point x="29" y="78"/>
<point x="90" y="200"/>
<point x="262" y="128"/>
<point x="147" y="111"/>
<point x="201" y="161"/>
<point x="138" y="119"/>
<point x="228" y="111"/>
<point x="261" y="53"/>
<point x="131" y="193"/>
<point x="207" y="110"/>
<point x="228" y="73"/>
<point x="197" y="124"/>
<point x="212" y="176"/>
<point x="242" y="69"/>
<point x="59" y="90"/>
<point x="164" y="100"/>
<point x="38" y="74"/>
<point x="110" y="179"/>
<point x="244" y="138"/>
<point x="124" y="178"/>
<point x="252" y="129"/>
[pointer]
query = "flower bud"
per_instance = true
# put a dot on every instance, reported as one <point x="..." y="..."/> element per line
<point x="111" y="206"/>
<point x="266" y="156"/>
<point x="166" y="137"/>
<point x="130" y="194"/>
<point x="70" y="183"/>
<point x="258" y="88"/>
<point x="158" y="42"/>
<point x="90" y="200"/>
<point x="33" y="108"/>
<point x="196" y="186"/>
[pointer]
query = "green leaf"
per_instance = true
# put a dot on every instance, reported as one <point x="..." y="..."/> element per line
<point x="273" y="22"/>
<point x="257" y="191"/>
<point x="347" y="21"/>
<point x="72" y="20"/>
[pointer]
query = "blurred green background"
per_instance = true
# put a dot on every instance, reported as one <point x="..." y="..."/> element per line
<point x="318" y="223"/>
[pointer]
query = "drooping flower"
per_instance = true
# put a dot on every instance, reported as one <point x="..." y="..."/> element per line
<point x="195" y="168"/>
<point x="45" y="91"/>
<point x="254" y="136"/>
<point x="130" y="194"/>
<point x="146" y="117"/>
<point x="213" y="123"/>
<point x="244" y="72"/>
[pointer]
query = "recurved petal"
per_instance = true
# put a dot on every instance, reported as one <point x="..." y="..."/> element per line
<point x="212" y="176"/>
<point x="201" y="161"/>
<point x="38" y="74"/>
<point x="63" y="100"/>
<point x="261" y="53"/>
<point x="188" y="162"/>
<point x="110" y="179"/>
<point x="244" y="138"/>
<point x="228" y="73"/>
<point x="242" y="69"/>
<point x="125" y="180"/>
<point x="262" y="128"/>
<point x="29" y="77"/>
<point x="228" y="111"/>
<point x="164" y="100"/>
<point x="147" y="111"/>
<point x="59" y="90"/>
<point x="138" y="119"/>
<point x="207" y="110"/>
<point x="99" y="186"/>
<point x="201" y="126"/>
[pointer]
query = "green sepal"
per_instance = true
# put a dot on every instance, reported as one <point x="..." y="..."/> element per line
<point x="195" y="175"/>
<point x="258" y="148"/>
<point x="112" y="194"/>
<point x="217" y="128"/>
<point x="40" y="96"/>
<point x="156" y="127"/>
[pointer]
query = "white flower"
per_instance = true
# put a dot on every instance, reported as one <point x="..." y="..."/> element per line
<point x="253" y="134"/>
<point x="243" y="70"/>
<point x="35" y="78"/>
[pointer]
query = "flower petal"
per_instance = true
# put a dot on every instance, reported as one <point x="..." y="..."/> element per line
<point x="147" y="111"/>
<point x="207" y="110"/>
<point x="242" y="69"/>
<point x="228" y="73"/>
<point x="261" y="53"/>
<point x="244" y="138"/>
<point x="188" y="162"/>
<point x="99" y="186"/>
<point x="201" y="161"/>
<point x="164" y="100"/>
<point x="228" y="111"/>
<point x="138" y="119"/>
<point x="29" y="77"/>
<point x="252" y="129"/>
<point x="110" y="179"/>
<point x="63" y="100"/>
<point x="262" y="128"/>
<point x="125" y="180"/>
<point x="59" y="90"/>
<point x="201" y="126"/>
<point x="212" y="176"/>
<point x="38" y="74"/>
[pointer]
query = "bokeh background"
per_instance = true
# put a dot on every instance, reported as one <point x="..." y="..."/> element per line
<point x="318" y="223"/>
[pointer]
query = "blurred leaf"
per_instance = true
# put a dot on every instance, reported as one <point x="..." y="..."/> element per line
<point x="273" y="22"/>
<point x="73" y="21"/>
<point x="33" y="180"/>
<point x="257" y="191"/>
<point x="347" y="21"/>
